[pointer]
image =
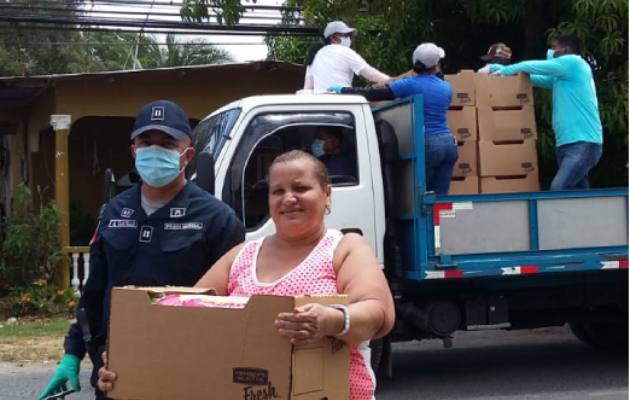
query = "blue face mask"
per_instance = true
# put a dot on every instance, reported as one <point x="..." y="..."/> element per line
<point x="157" y="166"/>
<point x="550" y="54"/>
<point x="317" y="148"/>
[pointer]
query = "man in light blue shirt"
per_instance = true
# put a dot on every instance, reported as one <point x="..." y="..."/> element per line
<point x="575" y="118"/>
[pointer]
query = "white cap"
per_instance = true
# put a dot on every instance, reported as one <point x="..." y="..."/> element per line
<point x="428" y="54"/>
<point x="337" y="27"/>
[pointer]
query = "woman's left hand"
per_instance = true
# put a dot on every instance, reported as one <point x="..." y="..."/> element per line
<point x="309" y="323"/>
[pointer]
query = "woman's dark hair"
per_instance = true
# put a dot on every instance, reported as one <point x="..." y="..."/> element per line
<point x="420" y="68"/>
<point x="312" y="52"/>
<point x="320" y="171"/>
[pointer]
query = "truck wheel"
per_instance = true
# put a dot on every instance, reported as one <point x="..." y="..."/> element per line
<point x="376" y="345"/>
<point x="605" y="336"/>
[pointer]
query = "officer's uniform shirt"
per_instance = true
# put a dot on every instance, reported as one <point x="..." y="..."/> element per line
<point x="173" y="246"/>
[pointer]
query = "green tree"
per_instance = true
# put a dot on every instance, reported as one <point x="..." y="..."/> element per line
<point x="26" y="51"/>
<point x="195" y="52"/>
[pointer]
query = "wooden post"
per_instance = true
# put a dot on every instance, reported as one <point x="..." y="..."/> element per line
<point x="61" y="126"/>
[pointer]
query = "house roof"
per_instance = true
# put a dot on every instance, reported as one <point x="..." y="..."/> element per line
<point x="20" y="91"/>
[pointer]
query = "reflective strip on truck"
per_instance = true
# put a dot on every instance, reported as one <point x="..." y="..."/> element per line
<point x="520" y="270"/>
<point x="617" y="264"/>
<point x="446" y="274"/>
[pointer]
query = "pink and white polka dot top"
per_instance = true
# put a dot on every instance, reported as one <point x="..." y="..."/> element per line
<point x="314" y="275"/>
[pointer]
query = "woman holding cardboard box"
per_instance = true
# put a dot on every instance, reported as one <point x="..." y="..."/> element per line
<point x="304" y="257"/>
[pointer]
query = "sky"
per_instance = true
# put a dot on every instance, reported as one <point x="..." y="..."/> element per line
<point x="241" y="48"/>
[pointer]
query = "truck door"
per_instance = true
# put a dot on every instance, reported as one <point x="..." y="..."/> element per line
<point x="265" y="135"/>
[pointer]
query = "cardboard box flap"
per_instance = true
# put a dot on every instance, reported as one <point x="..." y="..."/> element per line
<point x="171" y="289"/>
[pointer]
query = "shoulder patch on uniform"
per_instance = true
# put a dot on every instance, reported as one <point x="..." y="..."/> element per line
<point x="177" y="212"/>
<point x="127" y="212"/>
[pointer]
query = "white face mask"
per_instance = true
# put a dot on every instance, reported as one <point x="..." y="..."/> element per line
<point x="345" y="41"/>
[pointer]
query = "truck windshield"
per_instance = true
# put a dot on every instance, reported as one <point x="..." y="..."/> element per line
<point x="210" y="135"/>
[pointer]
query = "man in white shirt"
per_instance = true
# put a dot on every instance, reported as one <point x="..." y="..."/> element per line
<point x="335" y="62"/>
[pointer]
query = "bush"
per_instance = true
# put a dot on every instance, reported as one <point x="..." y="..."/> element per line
<point x="39" y="298"/>
<point x="30" y="248"/>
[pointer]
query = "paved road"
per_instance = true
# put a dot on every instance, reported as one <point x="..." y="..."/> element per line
<point x="544" y="364"/>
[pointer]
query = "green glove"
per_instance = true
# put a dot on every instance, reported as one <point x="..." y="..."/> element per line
<point x="67" y="370"/>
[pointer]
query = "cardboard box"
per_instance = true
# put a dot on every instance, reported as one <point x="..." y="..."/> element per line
<point x="166" y="352"/>
<point x="497" y="91"/>
<point x="506" y="125"/>
<point x="466" y="163"/>
<point x="464" y="185"/>
<point x="463" y="85"/>
<point x="525" y="183"/>
<point x="462" y="121"/>
<point x="507" y="159"/>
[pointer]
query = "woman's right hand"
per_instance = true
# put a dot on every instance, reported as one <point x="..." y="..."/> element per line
<point x="106" y="377"/>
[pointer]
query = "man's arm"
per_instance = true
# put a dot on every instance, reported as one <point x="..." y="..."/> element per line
<point x="550" y="68"/>
<point x="374" y="75"/>
<point x="371" y="94"/>
<point x="230" y="233"/>
<point x="541" y="81"/>
<point x="92" y="300"/>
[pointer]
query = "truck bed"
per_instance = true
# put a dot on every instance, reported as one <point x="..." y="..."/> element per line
<point x="496" y="235"/>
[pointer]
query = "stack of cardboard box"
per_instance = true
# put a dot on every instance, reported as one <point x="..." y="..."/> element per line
<point x="462" y="120"/>
<point x="502" y="155"/>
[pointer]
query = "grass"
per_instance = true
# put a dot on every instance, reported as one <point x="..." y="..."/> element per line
<point x="33" y="340"/>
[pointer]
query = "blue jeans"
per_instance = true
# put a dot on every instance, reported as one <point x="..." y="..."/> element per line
<point x="440" y="152"/>
<point x="575" y="160"/>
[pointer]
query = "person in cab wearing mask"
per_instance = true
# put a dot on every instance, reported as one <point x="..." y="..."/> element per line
<point x="575" y="111"/>
<point x="440" y="148"/>
<point x="335" y="62"/>
<point x="327" y="146"/>
<point x="163" y="231"/>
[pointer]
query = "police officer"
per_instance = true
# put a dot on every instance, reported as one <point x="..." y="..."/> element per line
<point x="164" y="231"/>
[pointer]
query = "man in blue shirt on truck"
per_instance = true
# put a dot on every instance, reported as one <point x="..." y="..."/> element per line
<point x="575" y="118"/>
<point x="164" y="231"/>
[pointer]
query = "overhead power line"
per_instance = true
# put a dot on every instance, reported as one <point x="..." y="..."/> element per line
<point x="78" y="22"/>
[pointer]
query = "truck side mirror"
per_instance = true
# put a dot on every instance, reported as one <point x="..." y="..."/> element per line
<point x="205" y="172"/>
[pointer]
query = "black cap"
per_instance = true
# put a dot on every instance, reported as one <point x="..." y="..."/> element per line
<point x="164" y="116"/>
<point x="497" y="51"/>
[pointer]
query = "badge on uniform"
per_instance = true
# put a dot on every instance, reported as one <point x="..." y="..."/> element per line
<point x="127" y="212"/>
<point x="146" y="232"/>
<point x="177" y="212"/>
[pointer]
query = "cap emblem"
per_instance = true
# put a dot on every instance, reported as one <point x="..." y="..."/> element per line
<point x="157" y="113"/>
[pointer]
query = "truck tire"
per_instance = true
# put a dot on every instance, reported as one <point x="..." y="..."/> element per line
<point x="605" y="336"/>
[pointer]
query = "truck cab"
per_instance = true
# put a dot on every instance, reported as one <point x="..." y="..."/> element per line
<point x="244" y="137"/>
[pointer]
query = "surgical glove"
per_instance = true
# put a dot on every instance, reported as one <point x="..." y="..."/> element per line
<point x="67" y="370"/>
<point x="335" y="88"/>
<point x="494" y="68"/>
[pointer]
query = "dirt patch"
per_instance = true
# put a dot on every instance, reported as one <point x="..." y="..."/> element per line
<point x="33" y="349"/>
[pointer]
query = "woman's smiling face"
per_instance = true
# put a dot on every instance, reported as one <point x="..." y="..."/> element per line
<point x="297" y="200"/>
